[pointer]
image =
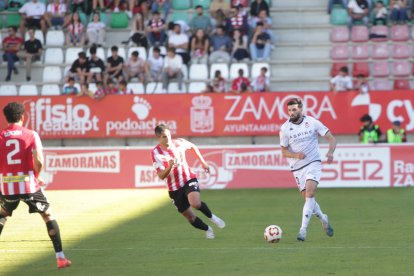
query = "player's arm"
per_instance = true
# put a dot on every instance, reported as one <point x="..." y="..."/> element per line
<point x="37" y="153"/>
<point x="332" y="146"/>
<point x="288" y="154"/>
<point x="162" y="174"/>
<point x="200" y="158"/>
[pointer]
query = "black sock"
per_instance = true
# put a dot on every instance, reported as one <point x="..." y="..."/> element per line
<point x="199" y="224"/>
<point x="205" y="210"/>
<point x="54" y="234"/>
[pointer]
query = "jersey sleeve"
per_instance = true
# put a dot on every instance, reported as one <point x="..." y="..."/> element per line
<point x="37" y="143"/>
<point x="320" y="128"/>
<point x="284" y="138"/>
<point x="186" y="144"/>
<point x="157" y="162"/>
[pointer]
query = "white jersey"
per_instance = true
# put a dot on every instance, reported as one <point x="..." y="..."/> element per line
<point x="302" y="138"/>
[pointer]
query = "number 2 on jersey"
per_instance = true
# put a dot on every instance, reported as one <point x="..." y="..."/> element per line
<point x="15" y="143"/>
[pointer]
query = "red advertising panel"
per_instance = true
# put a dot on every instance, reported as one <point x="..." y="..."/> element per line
<point x="207" y="114"/>
<point x="231" y="167"/>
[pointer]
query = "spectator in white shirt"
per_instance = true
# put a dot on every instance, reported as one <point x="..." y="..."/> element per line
<point x="96" y="31"/>
<point x="261" y="83"/>
<point x="55" y="14"/>
<point x="341" y="82"/>
<point x="173" y="65"/>
<point x="154" y="65"/>
<point x="33" y="17"/>
<point x="179" y="41"/>
<point x="358" y="10"/>
<point x="380" y="13"/>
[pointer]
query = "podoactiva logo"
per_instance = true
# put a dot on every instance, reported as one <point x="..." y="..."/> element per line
<point x="140" y="122"/>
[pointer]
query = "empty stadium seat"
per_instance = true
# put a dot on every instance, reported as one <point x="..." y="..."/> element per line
<point x="360" y="68"/>
<point x="142" y="52"/>
<point x="198" y="72"/>
<point x="379" y="30"/>
<point x="399" y="33"/>
<point x="154" y="88"/>
<point x="340" y="34"/>
<point x="256" y="69"/>
<point x="359" y="34"/>
<point x="119" y="20"/>
<point x="173" y="88"/>
<point x="181" y="15"/>
<point x="401" y="68"/>
<point x="181" y="4"/>
<point x="92" y="87"/>
<point x="402" y="84"/>
<point x="72" y="54"/>
<point x="382" y="84"/>
<point x="204" y="3"/>
<point x="222" y="67"/>
<point x="340" y="52"/>
<point x="52" y="74"/>
<point x="339" y="16"/>
<point x="380" y="51"/>
<point x="234" y="70"/>
<point x="400" y="51"/>
<point x="28" y="90"/>
<point x="136" y="88"/>
<point x="196" y="87"/>
<point x="380" y="69"/>
<point x="54" y="56"/>
<point x="121" y="52"/>
<point x="336" y="66"/>
<point x="184" y="70"/>
<point x="360" y="51"/>
<point x="50" y="90"/>
<point x="55" y="38"/>
<point x="38" y="35"/>
<point x="8" y="90"/>
<point x="13" y="19"/>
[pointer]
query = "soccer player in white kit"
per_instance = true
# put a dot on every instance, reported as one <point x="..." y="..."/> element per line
<point x="299" y="143"/>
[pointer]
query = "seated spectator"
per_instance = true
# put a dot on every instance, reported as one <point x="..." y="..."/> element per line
<point x="236" y="85"/>
<point x="111" y="88"/>
<point x="260" y="45"/>
<point x="331" y="3"/>
<point x="70" y="88"/>
<point x="221" y="46"/>
<point x="179" y="41"/>
<point x="137" y="35"/>
<point x="96" y="31"/>
<point x="239" y="3"/>
<point x="380" y="13"/>
<point x="262" y="82"/>
<point x="258" y="5"/>
<point x="163" y="5"/>
<point x="115" y="65"/>
<point x="201" y="21"/>
<point x="82" y="5"/>
<point x="75" y="33"/>
<point x="79" y="69"/>
<point x="11" y="46"/>
<point x="32" y="51"/>
<point x="100" y="91"/>
<point x="135" y="67"/>
<point x="342" y="81"/>
<point x="122" y="88"/>
<point x="96" y="67"/>
<point x="362" y="84"/>
<point x="154" y="66"/>
<point x="100" y="3"/>
<point x="199" y="47"/>
<point x="218" y="83"/>
<point x="173" y="65"/>
<point x="358" y="10"/>
<point x="398" y="10"/>
<point x="396" y="134"/>
<point x="239" y="51"/>
<point x="267" y="24"/>
<point x="55" y="14"/>
<point x="141" y="8"/>
<point x="156" y="30"/>
<point x="238" y="22"/>
<point x="84" y="91"/>
<point x="369" y="132"/>
<point x="33" y="13"/>
<point x="219" y="9"/>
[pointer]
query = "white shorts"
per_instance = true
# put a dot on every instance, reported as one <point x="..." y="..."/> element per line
<point x="312" y="171"/>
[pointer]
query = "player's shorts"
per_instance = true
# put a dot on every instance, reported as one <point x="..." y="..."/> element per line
<point x="37" y="202"/>
<point x="179" y="197"/>
<point x="312" y="171"/>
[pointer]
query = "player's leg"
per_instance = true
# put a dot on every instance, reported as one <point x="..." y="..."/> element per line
<point x="197" y="222"/>
<point x="308" y="207"/>
<point x="7" y="205"/>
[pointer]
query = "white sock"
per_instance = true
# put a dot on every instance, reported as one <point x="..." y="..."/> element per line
<point x="60" y="255"/>
<point x="307" y="211"/>
<point x="317" y="211"/>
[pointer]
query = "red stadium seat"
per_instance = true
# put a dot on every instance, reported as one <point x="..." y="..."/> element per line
<point x="382" y="84"/>
<point x="401" y="68"/>
<point x="380" y="69"/>
<point x="360" y="68"/>
<point x="360" y="51"/>
<point x="340" y="34"/>
<point x="336" y="66"/>
<point x="359" y="34"/>
<point x="400" y="51"/>
<point x="402" y="84"/>
<point x="380" y="51"/>
<point x="381" y="31"/>
<point x="339" y="52"/>
<point x="399" y="33"/>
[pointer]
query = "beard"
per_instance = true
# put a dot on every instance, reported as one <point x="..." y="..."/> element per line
<point x="295" y="119"/>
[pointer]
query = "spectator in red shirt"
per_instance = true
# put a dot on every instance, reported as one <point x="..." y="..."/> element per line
<point x="238" y="21"/>
<point x="156" y="30"/>
<point x="11" y="45"/>
<point x="240" y="84"/>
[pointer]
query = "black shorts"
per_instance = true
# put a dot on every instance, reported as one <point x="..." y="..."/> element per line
<point x="33" y="23"/>
<point x="179" y="197"/>
<point x="37" y="202"/>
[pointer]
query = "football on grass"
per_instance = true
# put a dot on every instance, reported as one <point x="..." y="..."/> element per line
<point x="273" y="233"/>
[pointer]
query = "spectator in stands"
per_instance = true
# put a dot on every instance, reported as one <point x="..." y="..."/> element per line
<point x="380" y="13"/>
<point x="33" y="13"/>
<point x="200" y="44"/>
<point x="173" y="65"/>
<point x="100" y="91"/>
<point x="239" y="51"/>
<point x="369" y="132"/>
<point x="358" y="10"/>
<point x="258" y="5"/>
<point x="137" y="35"/>
<point x="70" y="88"/>
<point x="219" y="17"/>
<point x="239" y="3"/>
<point x="218" y="83"/>
<point x="396" y="134"/>
<point x="156" y="30"/>
<point x="237" y="84"/>
<point x="219" y="8"/>
<point x="84" y="91"/>
<point x="267" y="24"/>
<point x="75" y="32"/>
<point x="260" y="46"/>
<point x="32" y="51"/>
<point x="179" y="41"/>
<point x="398" y="10"/>
<point x="11" y="45"/>
<point x="163" y="5"/>
<point x="79" y="69"/>
<point x="221" y="46"/>
<point x="135" y="67"/>
<point x="111" y="88"/>
<point x="96" y="66"/>
<point x="362" y="84"/>
<point x="154" y="66"/>
<point x="342" y="81"/>
<point x="115" y="65"/>
<point x="201" y="21"/>
<point x="55" y="14"/>
<point x="238" y="22"/>
<point x="100" y="3"/>
<point x="331" y="3"/>
<point x="96" y="31"/>
<point x="83" y="5"/>
<point x="123" y="89"/>
<point x="262" y="82"/>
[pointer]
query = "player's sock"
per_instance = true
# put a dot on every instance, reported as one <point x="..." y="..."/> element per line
<point x="2" y="222"/>
<point x="54" y="234"/>
<point x="60" y="255"/>
<point x="317" y="211"/>
<point x="307" y="211"/>
<point x="199" y="224"/>
<point x="205" y="210"/>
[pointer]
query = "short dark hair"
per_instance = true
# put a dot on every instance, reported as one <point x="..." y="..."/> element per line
<point x="155" y="12"/>
<point x="71" y="79"/>
<point x="199" y="7"/>
<point x="92" y="50"/>
<point x="114" y="49"/>
<point x="241" y="71"/>
<point x="343" y="69"/>
<point x="360" y="76"/>
<point x="171" y="49"/>
<point x="82" y="55"/>
<point x="366" y="118"/>
<point x="13" y="112"/>
<point x="160" y="129"/>
<point x="14" y="28"/>
<point x="294" y="101"/>
<point x="156" y="49"/>
<point x="123" y="82"/>
<point x="264" y="69"/>
<point x="135" y="53"/>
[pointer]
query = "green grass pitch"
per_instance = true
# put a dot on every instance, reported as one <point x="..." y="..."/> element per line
<point x="139" y="232"/>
